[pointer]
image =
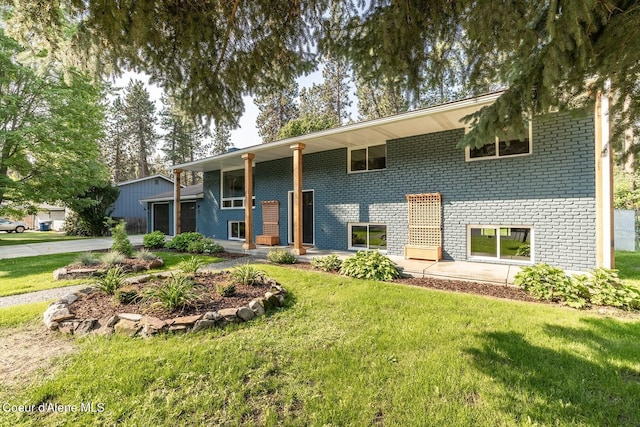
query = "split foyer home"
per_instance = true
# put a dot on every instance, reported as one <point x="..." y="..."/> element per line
<point x="401" y="185"/>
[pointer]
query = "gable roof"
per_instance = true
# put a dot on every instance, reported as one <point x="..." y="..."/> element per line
<point x="146" y="178"/>
<point x="427" y="120"/>
<point x="191" y="192"/>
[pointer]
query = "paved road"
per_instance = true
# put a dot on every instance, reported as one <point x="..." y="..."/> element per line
<point x="83" y="245"/>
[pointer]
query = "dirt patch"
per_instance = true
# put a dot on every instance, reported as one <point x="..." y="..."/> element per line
<point x="28" y="349"/>
<point x="98" y="305"/>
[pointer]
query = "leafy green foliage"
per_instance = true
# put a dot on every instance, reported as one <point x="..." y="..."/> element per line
<point x="281" y="256"/>
<point x="192" y="264"/>
<point x="92" y="207"/>
<point x="121" y="241"/>
<point x="276" y="108"/>
<point x="601" y="287"/>
<point x="327" y="263"/>
<point x="181" y="241"/>
<point x="173" y="293"/>
<point x="86" y="259"/>
<point x="127" y="295"/>
<point x="626" y="191"/>
<point x="204" y="246"/>
<point x="246" y="274"/>
<point x="226" y="290"/>
<point x="112" y="258"/>
<point x="370" y="265"/>
<point x="111" y="281"/>
<point x="153" y="240"/>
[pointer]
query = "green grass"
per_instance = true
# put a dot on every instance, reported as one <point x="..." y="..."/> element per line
<point x="628" y="266"/>
<point x="9" y="239"/>
<point x="359" y="353"/>
<point x="21" y="314"/>
<point x="29" y="274"/>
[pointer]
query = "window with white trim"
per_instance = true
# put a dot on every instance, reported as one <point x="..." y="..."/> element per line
<point x="508" y="146"/>
<point x="232" y="183"/>
<point x="236" y="230"/>
<point x="369" y="158"/>
<point x="366" y="236"/>
<point x="511" y="243"/>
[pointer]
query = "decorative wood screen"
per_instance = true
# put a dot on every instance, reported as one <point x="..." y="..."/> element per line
<point x="425" y="226"/>
<point x="270" y="218"/>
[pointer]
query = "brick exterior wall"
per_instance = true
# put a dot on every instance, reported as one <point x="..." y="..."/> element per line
<point x="552" y="190"/>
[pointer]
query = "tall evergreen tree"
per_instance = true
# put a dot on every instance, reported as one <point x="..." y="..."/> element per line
<point x="221" y="139"/>
<point x="335" y="93"/>
<point x="115" y="145"/>
<point x="377" y="100"/>
<point x="276" y="109"/>
<point x="141" y="119"/>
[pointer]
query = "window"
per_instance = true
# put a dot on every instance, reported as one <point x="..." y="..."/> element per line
<point x="233" y="189"/>
<point x="367" y="236"/>
<point x="236" y="230"/>
<point x="502" y="147"/>
<point x="368" y="158"/>
<point x="501" y="242"/>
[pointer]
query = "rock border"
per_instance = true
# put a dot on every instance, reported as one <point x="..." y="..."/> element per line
<point x="59" y="317"/>
<point x="63" y="273"/>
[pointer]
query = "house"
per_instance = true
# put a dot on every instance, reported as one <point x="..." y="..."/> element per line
<point x="399" y="184"/>
<point x="128" y="206"/>
<point x="53" y="215"/>
<point x="160" y="209"/>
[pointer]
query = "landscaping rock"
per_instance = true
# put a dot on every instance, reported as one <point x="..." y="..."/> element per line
<point x="178" y="328"/>
<point x="276" y="288"/>
<point x="275" y="300"/>
<point x="111" y="322"/>
<point x="257" y="305"/>
<point x="130" y="316"/>
<point x="137" y="279"/>
<point x="156" y="263"/>
<point x="85" y="326"/>
<point x="212" y="315"/>
<point x="60" y="273"/>
<point x="152" y="325"/>
<point x="66" y="327"/>
<point x="69" y="298"/>
<point x="127" y="327"/>
<point x="245" y="313"/>
<point x="229" y="315"/>
<point x="55" y="314"/>
<point x="203" y="324"/>
<point x="186" y="320"/>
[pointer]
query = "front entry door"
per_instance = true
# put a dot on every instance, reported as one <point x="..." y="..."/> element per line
<point x="307" y="217"/>
<point x="161" y="217"/>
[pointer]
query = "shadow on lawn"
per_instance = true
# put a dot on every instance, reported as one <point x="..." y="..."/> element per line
<point x="599" y="384"/>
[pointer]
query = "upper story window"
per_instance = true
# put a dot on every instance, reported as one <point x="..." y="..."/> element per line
<point x="233" y="189"/>
<point x="502" y="147"/>
<point x="368" y="158"/>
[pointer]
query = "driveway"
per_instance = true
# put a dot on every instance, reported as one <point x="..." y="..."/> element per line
<point x="83" y="245"/>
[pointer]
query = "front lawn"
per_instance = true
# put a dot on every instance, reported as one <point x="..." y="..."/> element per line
<point x="628" y="266"/>
<point x="9" y="239"/>
<point x="358" y="353"/>
<point x="29" y="274"/>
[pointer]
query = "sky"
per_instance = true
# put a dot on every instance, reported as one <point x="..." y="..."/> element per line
<point x="246" y="134"/>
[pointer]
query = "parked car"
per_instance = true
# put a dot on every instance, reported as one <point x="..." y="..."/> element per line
<point x="11" y="226"/>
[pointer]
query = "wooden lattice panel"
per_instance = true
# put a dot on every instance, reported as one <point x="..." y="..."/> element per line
<point x="270" y="218"/>
<point x="425" y="226"/>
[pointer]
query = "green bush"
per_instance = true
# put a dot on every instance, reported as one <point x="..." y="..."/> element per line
<point x="370" y="265"/>
<point x="175" y="292"/>
<point x="127" y="295"/>
<point x="191" y="265"/>
<point x="227" y="290"/>
<point x="154" y="240"/>
<point x="204" y="246"/>
<point x="600" y="287"/>
<point x="86" y="259"/>
<point x="181" y="241"/>
<point x="111" y="258"/>
<point x="246" y="275"/>
<point x="327" y="263"/>
<point x="121" y="241"/>
<point x="111" y="281"/>
<point x="281" y="256"/>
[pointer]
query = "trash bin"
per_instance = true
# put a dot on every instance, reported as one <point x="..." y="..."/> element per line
<point x="45" y="225"/>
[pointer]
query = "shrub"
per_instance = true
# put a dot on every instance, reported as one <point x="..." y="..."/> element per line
<point x="181" y="241"/>
<point x="153" y="240"/>
<point x="110" y="259"/>
<point x="327" y="263"/>
<point x="74" y="227"/>
<point x="281" y="256"/>
<point x="191" y="265"/>
<point x="246" y="275"/>
<point x="145" y="255"/>
<point x="111" y="281"/>
<point x="175" y="292"/>
<point x="226" y="290"/>
<point x="127" y="295"/>
<point x="204" y="246"/>
<point x="606" y="288"/>
<point x="121" y="242"/>
<point x="552" y="284"/>
<point x="370" y="265"/>
<point x="86" y="259"/>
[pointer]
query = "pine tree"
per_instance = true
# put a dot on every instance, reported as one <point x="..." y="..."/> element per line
<point x="221" y="139"/>
<point x="276" y="109"/>
<point x="379" y="100"/>
<point x="115" y="145"/>
<point x="335" y="90"/>
<point x="140" y="122"/>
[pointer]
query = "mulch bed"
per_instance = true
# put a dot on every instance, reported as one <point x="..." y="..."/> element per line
<point x="98" y="305"/>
